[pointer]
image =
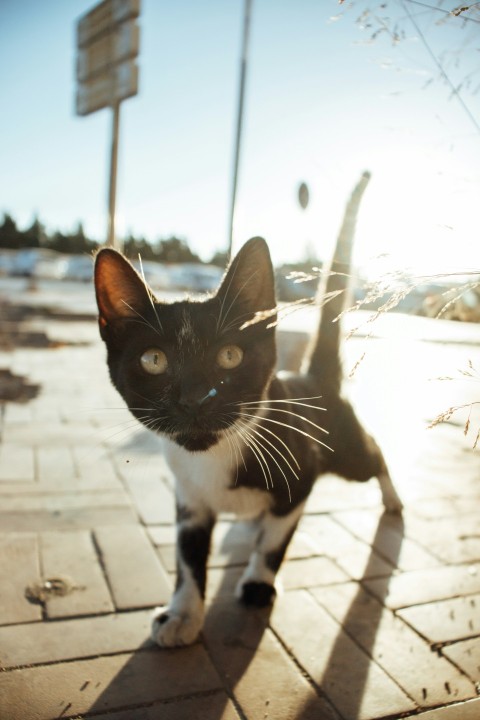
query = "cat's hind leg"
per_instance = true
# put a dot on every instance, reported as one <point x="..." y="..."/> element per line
<point x="390" y="498"/>
<point x="257" y="584"/>
<point x="181" y="622"/>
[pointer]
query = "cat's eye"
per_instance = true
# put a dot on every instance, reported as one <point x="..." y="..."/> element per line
<point x="154" y="361"/>
<point x="230" y="357"/>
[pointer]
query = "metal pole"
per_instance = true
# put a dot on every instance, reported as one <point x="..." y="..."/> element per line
<point x="112" y="190"/>
<point x="238" y="138"/>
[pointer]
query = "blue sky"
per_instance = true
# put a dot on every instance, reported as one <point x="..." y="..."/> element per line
<point x="322" y="104"/>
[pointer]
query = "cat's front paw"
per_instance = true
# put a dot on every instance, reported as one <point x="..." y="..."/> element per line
<point x="171" y="628"/>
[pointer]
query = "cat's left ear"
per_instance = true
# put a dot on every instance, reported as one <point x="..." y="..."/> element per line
<point x="121" y="292"/>
<point x="249" y="281"/>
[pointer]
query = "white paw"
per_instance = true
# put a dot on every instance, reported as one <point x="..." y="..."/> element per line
<point x="171" y="628"/>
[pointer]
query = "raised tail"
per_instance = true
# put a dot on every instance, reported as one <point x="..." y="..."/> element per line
<point x="323" y="359"/>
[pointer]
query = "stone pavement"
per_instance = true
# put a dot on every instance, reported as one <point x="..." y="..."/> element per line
<point x="378" y="616"/>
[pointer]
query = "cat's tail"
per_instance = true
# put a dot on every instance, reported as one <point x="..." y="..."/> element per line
<point x="323" y="360"/>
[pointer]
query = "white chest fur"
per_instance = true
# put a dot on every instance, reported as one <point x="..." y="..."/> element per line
<point x="207" y="479"/>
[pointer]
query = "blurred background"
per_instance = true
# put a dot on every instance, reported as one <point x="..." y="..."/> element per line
<point x="331" y="89"/>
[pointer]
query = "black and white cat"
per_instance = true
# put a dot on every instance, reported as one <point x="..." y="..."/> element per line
<point x="238" y="437"/>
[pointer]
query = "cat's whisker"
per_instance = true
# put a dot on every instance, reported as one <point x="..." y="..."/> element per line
<point x="292" y="427"/>
<point x="149" y="400"/>
<point x="265" y="440"/>
<point x="239" y="291"/>
<point x="128" y="427"/>
<point x="125" y="408"/>
<point x="257" y="423"/>
<point x="259" y="445"/>
<point x="232" y="432"/>
<point x="235" y="322"/>
<point x="228" y="434"/>
<point x="220" y="320"/>
<point x="300" y="417"/>
<point x="277" y="450"/>
<point x="144" y="320"/>
<point x="149" y="293"/>
<point x="260" y="403"/>
<point x="251" y="443"/>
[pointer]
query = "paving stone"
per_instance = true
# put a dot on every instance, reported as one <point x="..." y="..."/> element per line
<point x="44" y="642"/>
<point x="424" y="586"/>
<point x="72" y="555"/>
<point x="330" y="538"/>
<point x="425" y="677"/>
<point x="452" y="539"/>
<point x="447" y="620"/>
<point x="95" y="467"/>
<point x="357" y="686"/>
<point x="466" y="655"/>
<point x="452" y="506"/>
<point x="162" y="535"/>
<point x="214" y="706"/>
<point x="17" y="413"/>
<point x="221" y="582"/>
<point x="19" y="568"/>
<point x="332" y="493"/>
<point x="88" y="517"/>
<point x="48" y="434"/>
<point x="388" y="535"/>
<point x="55" y="464"/>
<point x="136" y="576"/>
<point x="463" y="711"/>
<point x="310" y="572"/>
<point x="255" y="667"/>
<point x="46" y="692"/>
<point x="54" y="502"/>
<point x="153" y="500"/>
<point x="17" y="462"/>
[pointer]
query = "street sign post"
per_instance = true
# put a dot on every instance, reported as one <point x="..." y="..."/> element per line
<point x="108" y="39"/>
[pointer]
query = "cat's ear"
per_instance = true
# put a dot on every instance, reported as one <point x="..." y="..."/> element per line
<point x="249" y="280"/>
<point x="121" y="292"/>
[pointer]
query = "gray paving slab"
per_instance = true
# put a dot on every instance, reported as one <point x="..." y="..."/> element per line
<point x="357" y="687"/>
<point x="466" y="655"/>
<point x="72" y="639"/>
<point x="17" y="461"/>
<point x="135" y="574"/>
<point x="463" y="711"/>
<point x="19" y="568"/>
<point x="72" y="556"/>
<point x="429" y="679"/>
<point x="65" y="519"/>
<point x="310" y="572"/>
<point x="446" y="620"/>
<point x="47" y="692"/>
<point x="255" y="667"/>
<point x="425" y="586"/>
<point x="210" y="706"/>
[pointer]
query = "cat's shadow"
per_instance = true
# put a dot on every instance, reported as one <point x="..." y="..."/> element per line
<point x="233" y="637"/>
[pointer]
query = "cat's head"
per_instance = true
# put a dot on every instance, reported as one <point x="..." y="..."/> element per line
<point x="184" y="368"/>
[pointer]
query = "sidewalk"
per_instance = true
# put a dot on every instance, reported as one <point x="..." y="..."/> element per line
<point x="379" y="616"/>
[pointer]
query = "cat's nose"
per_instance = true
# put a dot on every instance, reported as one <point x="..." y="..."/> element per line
<point x="193" y="399"/>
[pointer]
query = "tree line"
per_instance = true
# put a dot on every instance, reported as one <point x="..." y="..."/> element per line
<point x="166" y="250"/>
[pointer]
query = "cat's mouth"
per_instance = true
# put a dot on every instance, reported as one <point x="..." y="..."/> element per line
<point x="196" y="442"/>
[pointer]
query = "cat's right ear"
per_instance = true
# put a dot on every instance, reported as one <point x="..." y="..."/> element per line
<point x="120" y="291"/>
